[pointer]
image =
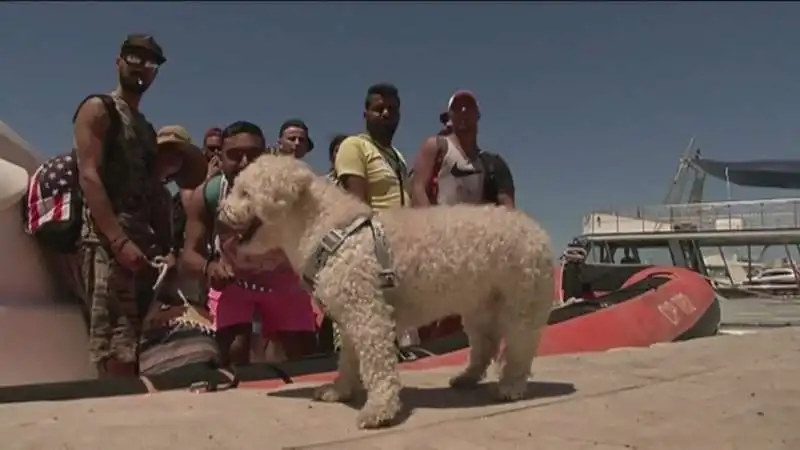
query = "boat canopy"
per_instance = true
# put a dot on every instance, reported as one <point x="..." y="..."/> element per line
<point x="767" y="173"/>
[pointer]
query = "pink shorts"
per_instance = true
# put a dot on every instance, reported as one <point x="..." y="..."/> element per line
<point x="286" y="307"/>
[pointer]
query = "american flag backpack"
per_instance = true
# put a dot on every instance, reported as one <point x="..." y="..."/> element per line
<point x="53" y="210"/>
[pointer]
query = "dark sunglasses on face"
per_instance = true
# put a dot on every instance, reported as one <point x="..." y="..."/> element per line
<point x="136" y="60"/>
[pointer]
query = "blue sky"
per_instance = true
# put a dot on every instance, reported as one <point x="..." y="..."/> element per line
<point x="591" y="104"/>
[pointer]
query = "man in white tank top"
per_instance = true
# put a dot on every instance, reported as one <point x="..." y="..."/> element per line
<point x="450" y="167"/>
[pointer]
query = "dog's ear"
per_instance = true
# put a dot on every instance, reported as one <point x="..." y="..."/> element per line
<point x="301" y="184"/>
<point x="296" y="184"/>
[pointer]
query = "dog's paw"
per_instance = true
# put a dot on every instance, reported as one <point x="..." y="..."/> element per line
<point x="511" y="392"/>
<point x="374" y="415"/>
<point x="332" y="394"/>
<point x="465" y="380"/>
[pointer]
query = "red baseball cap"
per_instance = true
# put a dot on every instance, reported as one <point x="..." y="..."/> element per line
<point x="213" y="132"/>
<point x="459" y="99"/>
<point x="462" y="98"/>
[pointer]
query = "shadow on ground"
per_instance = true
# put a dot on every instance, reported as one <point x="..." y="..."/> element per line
<point x="447" y="397"/>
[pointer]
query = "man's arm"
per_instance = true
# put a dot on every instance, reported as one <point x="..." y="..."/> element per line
<point x="424" y="165"/>
<point x="91" y="124"/>
<point x="505" y="184"/>
<point x="351" y="168"/>
<point x="193" y="256"/>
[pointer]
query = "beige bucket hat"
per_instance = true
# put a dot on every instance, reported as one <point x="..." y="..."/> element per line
<point x="194" y="167"/>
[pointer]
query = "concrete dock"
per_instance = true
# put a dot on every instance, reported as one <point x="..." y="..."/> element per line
<point x="722" y="393"/>
<point x="761" y="312"/>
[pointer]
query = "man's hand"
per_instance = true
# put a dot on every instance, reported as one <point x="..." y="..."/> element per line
<point x="219" y="274"/>
<point x="213" y="167"/>
<point x="128" y="255"/>
<point x="168" y="260"/>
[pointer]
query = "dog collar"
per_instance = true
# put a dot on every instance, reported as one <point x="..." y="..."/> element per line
<point x="333" y="240"/>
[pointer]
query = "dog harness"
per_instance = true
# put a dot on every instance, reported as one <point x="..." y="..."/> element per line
<point x="333" y="240"/>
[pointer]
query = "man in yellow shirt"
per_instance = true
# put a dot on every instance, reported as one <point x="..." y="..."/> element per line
<point x="369" y="167"/>
<point x="367" y="164"/>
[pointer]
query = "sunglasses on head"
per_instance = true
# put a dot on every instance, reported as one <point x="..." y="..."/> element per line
<point x="137" y="60"/>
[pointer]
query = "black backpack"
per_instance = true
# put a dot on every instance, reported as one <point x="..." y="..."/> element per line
<point x="497" y="174"/>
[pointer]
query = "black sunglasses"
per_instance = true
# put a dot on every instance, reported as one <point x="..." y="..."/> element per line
<point x="137" y="60"/>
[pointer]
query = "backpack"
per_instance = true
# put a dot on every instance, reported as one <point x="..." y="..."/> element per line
<point x="53" y="206"/>
<point x="492" y="163"/>
<point x="175" y="335"/>
<point x="213" y="192"/>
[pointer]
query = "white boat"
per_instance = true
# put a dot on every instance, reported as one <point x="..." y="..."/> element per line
<point x="730" y="272"/>
<point x="778" y="276"/>
<point x="692" y="232"/>
<point x="43" y="340"/>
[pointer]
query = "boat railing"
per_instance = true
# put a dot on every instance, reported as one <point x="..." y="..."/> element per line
<point x="756" y="215"/>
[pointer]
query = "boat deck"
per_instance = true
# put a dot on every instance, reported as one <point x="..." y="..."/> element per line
<point x="775" y="221"/>
<point x="732" y="392"/>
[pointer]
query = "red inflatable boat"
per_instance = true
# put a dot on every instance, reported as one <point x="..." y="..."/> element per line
<point x="624" y="306"/>
<point x="628" y="306"/>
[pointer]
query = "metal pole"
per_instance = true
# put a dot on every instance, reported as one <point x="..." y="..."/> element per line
<point x="791" y="264"/>
<point x="728" y="183"/>
<point x="677" y="181"/>
<point x="725" y="263"/>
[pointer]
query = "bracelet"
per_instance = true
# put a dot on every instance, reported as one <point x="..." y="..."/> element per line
<point x="118" y="243"/>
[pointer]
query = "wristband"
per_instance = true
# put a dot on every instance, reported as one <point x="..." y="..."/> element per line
<point x="118" y="243"/>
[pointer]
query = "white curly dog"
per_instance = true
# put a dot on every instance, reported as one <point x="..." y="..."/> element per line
<point x="491" y="265"/>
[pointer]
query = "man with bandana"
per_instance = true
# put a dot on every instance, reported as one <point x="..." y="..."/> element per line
<point x="116" y="150"/>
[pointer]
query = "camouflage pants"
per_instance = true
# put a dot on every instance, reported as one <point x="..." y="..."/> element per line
<point x="117" y="302"/>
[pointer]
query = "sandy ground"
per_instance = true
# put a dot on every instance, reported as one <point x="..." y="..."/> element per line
<point x="725" y="393"/>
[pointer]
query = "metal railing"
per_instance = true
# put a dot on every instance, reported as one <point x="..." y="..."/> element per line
<point x="778" y="214"/>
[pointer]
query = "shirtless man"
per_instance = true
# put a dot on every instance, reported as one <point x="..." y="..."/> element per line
<point x="240" y="290"/>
